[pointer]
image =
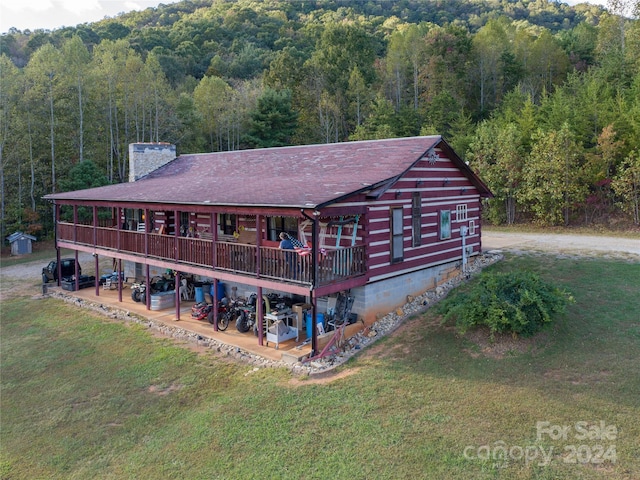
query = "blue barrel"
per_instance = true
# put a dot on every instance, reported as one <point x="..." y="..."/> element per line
<point x="199" y="294"/>
<point x="221" y="291"/>
<point x="319" y="320"/>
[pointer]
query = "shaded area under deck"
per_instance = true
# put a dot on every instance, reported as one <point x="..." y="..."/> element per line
<point x="246" y="342"/>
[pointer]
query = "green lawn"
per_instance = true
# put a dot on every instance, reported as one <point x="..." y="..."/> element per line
<point x="84" y="397"/>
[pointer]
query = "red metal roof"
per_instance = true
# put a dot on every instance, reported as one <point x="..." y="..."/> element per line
<point x="300" y="176"/>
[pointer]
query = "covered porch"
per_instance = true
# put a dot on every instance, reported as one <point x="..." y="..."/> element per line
<point x="199" y="244"/>
<point x="242" y="243"/>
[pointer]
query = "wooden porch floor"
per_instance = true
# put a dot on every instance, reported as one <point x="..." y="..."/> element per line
<point x="247" y="342"/>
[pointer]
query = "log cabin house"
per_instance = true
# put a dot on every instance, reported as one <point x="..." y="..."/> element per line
<point x="382" y="219"/>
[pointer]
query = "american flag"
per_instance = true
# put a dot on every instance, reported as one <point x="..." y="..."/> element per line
<point x="300" y="248"/>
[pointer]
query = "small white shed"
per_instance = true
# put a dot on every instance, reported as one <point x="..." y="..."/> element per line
<point x="20" y="243"/>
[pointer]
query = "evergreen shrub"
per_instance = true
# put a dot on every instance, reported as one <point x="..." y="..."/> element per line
<point x="516" y="302"/>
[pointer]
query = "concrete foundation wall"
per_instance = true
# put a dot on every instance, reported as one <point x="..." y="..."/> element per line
<point x="378" y="299"/>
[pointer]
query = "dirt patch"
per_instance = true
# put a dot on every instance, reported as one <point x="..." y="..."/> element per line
<point x="323" y="378"/>
<point x="162" y="391"/>
<point x="502" y="345"/>
<point x="401" y="349"/>
<point x="574" y="378"/>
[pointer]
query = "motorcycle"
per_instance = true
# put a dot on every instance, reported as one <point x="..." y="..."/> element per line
<point x="246" y="318"/>
<point x="139" y="292"/>
<point x="247" y="312"/>
<point x="226" y="313"/>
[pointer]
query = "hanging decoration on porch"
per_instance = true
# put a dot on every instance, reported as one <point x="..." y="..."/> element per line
<point x="299" y="247"/>
<point x="236" y="233"/>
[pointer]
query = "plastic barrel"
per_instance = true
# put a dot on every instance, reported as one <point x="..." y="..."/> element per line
<point x="319" y="319"/>
<point x="221" y="291"/>
<point x="199" y="294"/>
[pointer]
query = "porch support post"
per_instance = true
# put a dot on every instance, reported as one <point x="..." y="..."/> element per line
<point x="75" y="223"/>
<point x="118" y="226"/>
<point x="177" y="295"/>
<point x="214" y="239"/>
<point x="58" y="267"/>
<point x="213" y="228"/>
<point x="76" y="275"/>
<point x="214" y="300"/>
<point x="97" y="264"/>
<point x="95" y="225"/>
<point x="95" y="243"/>
<point x="176" y="233"/>
<point x="260" y="317"/>
<point x="146" y="239"/>
<point x="147" y="286"/>
<point x="314" y="277"/>
<point x="176" y="256"/>
<point x="258" y="244"/>
<point x="119" y="279"/>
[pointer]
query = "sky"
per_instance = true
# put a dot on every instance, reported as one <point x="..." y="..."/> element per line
<point x="50" y="14"/>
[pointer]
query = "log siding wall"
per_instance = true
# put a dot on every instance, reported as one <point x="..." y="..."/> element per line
<point x="442" y="186"/>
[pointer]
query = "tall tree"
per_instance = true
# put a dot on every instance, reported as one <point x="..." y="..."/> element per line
<point x="447" y="56"/>
<point x="211" y="97"/>
<point x="76" y="59"/>
<point x="273" y="122"/>
<point x="627" y="186"/>
<point x="341" y="47"/>
<point x="358" y="94"/>
<point x="9" y="88"/>
<point x="109" y="64"/>
<point x="552" y="181"/>
<point x="497" y="152"/>
<point x="44" y="69"/>
<point x="490" y="44"/>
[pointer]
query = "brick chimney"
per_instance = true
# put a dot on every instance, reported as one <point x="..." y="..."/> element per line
<point x="144" y="158"/>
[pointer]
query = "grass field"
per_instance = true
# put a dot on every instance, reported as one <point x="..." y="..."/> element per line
<point x="84" y="397"/>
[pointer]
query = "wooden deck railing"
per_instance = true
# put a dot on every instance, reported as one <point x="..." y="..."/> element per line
<point x="334" y="265"/>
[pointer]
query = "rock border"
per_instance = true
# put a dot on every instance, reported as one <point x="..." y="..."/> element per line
<point x="354" y="345"/>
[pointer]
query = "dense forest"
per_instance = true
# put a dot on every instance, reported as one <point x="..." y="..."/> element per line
<point x="542" y="99"/>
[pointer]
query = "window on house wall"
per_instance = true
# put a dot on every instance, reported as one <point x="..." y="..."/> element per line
<point x="275" y="225"/>
<point x="445" y="224"/>
<point x="416" y="219"/>
<point x="397" y="239"/>
<point x="461" y="212"/>
<point x="228" y="223"/>
<point x="472" y="227"/>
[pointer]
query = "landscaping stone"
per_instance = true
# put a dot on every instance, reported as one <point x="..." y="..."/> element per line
<point x="383" y="326"/>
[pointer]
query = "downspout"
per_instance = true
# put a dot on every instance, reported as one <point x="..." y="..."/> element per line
<point x="314" y="277"/>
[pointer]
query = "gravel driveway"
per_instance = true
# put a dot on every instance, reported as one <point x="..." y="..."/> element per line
<point x="26" y="278"/>
<point x="576" y="245"/>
